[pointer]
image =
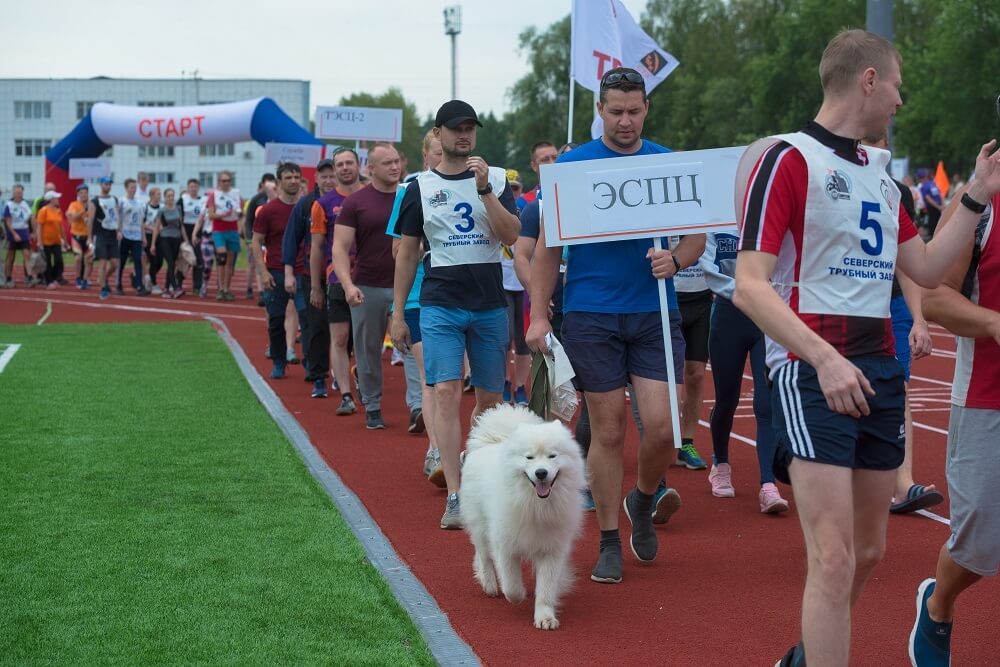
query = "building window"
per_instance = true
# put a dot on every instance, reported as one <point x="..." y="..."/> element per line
<point x="31" y="147"/>
<point x="156" y="151"/>
<point x="30" y="110"/>
<point x="161" y="177"/>
<point x="155" y="103"/>
<point x="207" y="178"/>
<point x="83" y="108"/>
<point x="216" y="150"/>
<point x="22" y="177"/>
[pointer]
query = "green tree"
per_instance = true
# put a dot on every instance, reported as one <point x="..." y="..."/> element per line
<point x="393" y="98"/>
<point x="949" y="82"/>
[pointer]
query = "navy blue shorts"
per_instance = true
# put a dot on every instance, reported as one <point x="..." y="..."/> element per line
<point x="606" y="348"/>
<point x="412" y="318"/>
<point x="902" y="322"/>
<point x="806" y="428"/>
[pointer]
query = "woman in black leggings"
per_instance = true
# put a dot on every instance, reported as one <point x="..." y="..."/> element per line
<point x="167" y="238"/>
<point x="733" y="338"/>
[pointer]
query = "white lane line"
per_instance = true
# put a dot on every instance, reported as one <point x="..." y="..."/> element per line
<point x="139" y="309"/>
<point x="934" y="517"/>
<point x="48" y="312"/>
<point x="735" y="436"/>
<point x="930" y="380"/>
<point x="8" y="354"/>
<point x="932" y="429"/>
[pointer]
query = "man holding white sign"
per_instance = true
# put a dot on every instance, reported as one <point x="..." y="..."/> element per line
<point x="612" y="329"/>
<point x="821" y="233"/>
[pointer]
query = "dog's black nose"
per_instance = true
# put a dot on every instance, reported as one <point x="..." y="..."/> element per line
<point x="541" y="473"/>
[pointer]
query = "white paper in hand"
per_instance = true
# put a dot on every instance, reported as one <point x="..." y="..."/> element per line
<point x="562" y="397"/>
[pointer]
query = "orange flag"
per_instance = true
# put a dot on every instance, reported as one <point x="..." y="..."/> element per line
<point x="941" y="179"/>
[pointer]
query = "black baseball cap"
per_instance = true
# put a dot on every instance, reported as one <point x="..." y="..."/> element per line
<point x="324" y="163"/>
<point x="454" y="113"/>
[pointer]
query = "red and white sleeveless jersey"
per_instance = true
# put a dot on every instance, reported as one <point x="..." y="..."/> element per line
<point x="977" y="363"/>
<point x="828" y="210"/>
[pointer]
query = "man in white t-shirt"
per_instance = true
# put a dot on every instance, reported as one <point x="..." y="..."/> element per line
<point x="130" y="238"/>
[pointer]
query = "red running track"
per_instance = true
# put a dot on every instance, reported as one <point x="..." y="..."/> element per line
<point x="726" y="587"/>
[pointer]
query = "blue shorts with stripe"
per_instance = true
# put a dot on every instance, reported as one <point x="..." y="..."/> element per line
<point x="806" y="428"/>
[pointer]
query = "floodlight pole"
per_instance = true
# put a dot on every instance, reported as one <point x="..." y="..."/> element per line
<point x="452" y="27"/>
<point x="878" y="19"/>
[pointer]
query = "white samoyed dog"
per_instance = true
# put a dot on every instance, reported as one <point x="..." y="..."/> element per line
<point x="521" y="485"/>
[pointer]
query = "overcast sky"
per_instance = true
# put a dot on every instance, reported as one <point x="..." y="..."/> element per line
<point x="340" y="46"/>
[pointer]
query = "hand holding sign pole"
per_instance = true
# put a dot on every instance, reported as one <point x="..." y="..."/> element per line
<point x="644" y="196"/>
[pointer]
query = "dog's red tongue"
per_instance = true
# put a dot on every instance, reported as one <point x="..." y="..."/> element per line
<point x="543" y="489"/>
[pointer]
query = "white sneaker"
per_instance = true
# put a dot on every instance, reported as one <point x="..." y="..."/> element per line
<point x="156" y="291"/>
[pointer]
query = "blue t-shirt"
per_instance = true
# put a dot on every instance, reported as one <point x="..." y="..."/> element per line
<point x="413" y="298"/>
<point x="614" y="276"/>
<point x="530" y="222"/>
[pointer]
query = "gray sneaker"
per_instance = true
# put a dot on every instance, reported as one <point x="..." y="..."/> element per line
<point x="643" y="538"/>
<point x="347" y="406"/>
<point x="451" y="519"/>
<point x="431" y="460"/>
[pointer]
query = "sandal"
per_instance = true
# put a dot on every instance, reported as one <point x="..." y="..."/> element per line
<point x="919" y="497"/>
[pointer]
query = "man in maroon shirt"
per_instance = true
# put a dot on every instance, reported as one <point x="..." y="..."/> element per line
<point x="268" y="232"/>
<point x="368" y="290"/>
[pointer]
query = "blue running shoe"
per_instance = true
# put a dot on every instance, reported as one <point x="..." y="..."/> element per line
<point x="506" y="392"/>
<point x="588" y="501"/>
<point x="689" y="457"/>
<point x="105" y="293"/>
<point x="520" y="396"/>
<point x="319" y="388"/>
<point x="930" y="641"/>
<point x="278" y="372"/>
<point x="666" y="502"/>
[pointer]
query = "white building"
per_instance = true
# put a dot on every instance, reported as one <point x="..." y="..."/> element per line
<point x="37" y="113"/>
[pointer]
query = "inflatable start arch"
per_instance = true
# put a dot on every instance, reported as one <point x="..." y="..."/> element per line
<point x="260" y="120"/>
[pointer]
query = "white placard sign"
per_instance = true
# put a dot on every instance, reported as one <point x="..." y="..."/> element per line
<point x="85" y="168"/>
<point x="641" y="197"/>
<point x="304" y="155"/>
<point x="359" y="123"/>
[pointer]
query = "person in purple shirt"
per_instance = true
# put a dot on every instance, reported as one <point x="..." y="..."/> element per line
<point x="933" y="200"/>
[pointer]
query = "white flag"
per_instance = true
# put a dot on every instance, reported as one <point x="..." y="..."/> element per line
<point x="605" y="36"/>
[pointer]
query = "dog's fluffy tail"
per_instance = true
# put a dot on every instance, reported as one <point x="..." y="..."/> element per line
<point x="496" y="424"/>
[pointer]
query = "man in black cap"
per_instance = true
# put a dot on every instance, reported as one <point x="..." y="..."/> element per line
<point x="463" y="210"/>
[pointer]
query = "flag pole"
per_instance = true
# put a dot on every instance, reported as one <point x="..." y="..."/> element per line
<point x="572" y="88"/>
<point x="569" y="122"/>
<point x="668" y="350"/>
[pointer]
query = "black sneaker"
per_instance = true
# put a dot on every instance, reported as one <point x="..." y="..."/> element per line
<point x="609" y="567"/>
<point x="643" y="538"/>
<point x="416" y="421"/>
<point x="373" y="420"/>
<point x="119" y="291"/>
<point x="795" y="657"/>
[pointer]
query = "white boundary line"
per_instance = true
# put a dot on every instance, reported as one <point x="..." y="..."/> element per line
<point x="8" y="354"/>
<point x="48" y="312"/>
<point x="138" y="309"/>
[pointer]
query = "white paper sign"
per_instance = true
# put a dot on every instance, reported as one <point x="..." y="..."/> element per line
<point x="304" y="155"/>
<point x="85" y="168"/>
<point x="359" y="123"/>
<point x="643" y="196"/>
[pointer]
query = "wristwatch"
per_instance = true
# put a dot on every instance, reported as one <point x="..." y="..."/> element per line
<point x="677" y="265"/>
<point x="485" y="191"/>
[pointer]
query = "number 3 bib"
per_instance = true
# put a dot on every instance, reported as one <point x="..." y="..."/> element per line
<point x="455" y="219"/>
<point x="849" y="240"/>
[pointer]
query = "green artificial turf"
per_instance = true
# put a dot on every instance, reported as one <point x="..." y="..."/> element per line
<point x="152" y="513"/>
